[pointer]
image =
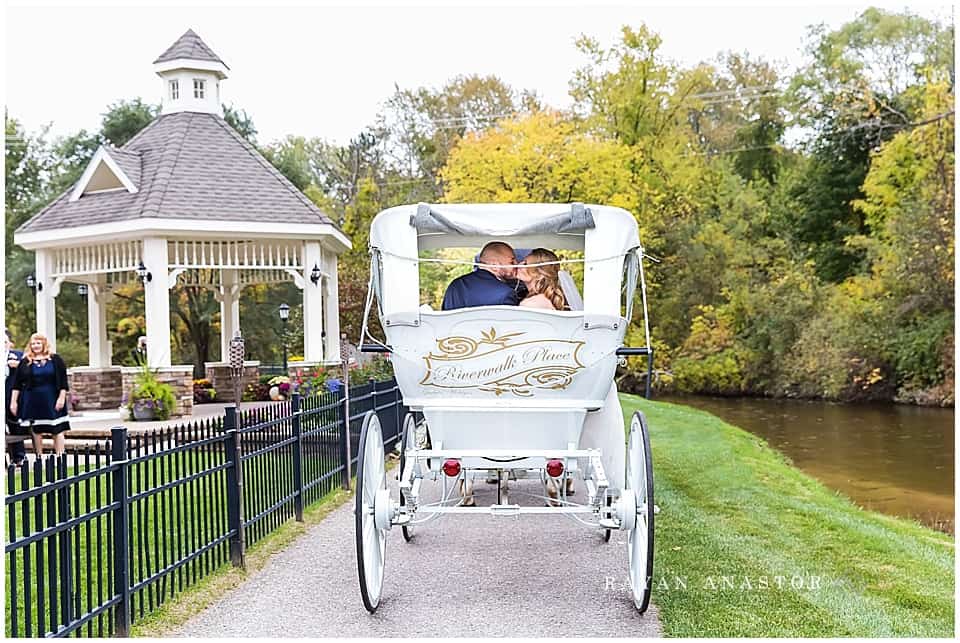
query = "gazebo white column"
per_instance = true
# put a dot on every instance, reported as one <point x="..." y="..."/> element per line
<point x="157" y="298"/>
<point x="99" y="347"/>
<point x="46" y="293"/>
<point x="331" y="311"/>
<point x="312" y="304"/>
<point x="229" y="297"/>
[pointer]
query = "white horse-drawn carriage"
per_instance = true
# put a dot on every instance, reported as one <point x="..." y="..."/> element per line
<point x="507" y="390"/>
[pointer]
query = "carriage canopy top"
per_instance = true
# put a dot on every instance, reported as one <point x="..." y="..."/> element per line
<point x="524" y="225"/>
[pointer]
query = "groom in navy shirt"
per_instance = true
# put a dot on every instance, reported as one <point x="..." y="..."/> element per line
<point x="486" y="286"/>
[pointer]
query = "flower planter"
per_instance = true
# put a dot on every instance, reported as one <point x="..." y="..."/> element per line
<point x="144" y="410"/>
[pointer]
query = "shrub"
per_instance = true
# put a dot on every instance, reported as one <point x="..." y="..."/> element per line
<point x="203" y="392"/>
<point x="717" y="374"/>
<point x="918" y="350"/>
<point x="259" y="392"/>
<point x="330" y="378"/>
<point x="378" y="368"/>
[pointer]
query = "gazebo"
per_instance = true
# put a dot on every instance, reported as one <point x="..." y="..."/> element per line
<point x="186" y="200"/>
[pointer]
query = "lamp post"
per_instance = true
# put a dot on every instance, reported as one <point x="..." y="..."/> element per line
<point x="284" y="317"/>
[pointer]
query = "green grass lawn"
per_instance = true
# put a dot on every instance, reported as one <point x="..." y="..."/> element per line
<point x="739" y="527"/>
<point x="164" y="528"/>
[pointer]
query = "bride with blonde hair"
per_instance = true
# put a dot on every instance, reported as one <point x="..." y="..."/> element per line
<point x="544" y="291"/>
<point x="542" y="281"/>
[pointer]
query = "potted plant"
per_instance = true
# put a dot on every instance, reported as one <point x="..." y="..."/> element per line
<point x="150" y="398"/>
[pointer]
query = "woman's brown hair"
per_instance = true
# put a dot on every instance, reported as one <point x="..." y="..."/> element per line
<point x="28" y="353"/>
<point x="546" y="279"/>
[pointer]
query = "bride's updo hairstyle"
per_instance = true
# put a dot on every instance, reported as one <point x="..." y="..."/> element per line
<point x="546" y="279"/>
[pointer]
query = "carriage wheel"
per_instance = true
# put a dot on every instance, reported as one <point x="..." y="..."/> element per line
<point x="371" y="491"/>
<point x="407" y="440"/>
<point x="639" y="480"/>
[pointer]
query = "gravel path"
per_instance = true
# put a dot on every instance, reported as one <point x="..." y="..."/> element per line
<point x="464" y="576"/>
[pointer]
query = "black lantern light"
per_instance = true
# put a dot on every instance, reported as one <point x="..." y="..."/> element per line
<point x="143" y="273"/>
<point x="33" y="284"/>
<point x="315" y="274"/>
<point x="82" y="290"/>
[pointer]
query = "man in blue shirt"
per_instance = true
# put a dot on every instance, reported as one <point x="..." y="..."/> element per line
<point x="485" y="286"/>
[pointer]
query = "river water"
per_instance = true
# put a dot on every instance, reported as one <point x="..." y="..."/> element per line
<point x="891" y="458"/>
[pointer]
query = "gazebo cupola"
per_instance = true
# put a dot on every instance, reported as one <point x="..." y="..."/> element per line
<point x="185" y="201"/>
<point x="191" y="75"/>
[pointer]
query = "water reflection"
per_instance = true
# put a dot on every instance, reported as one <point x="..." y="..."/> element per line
<point x="891" y="458"/>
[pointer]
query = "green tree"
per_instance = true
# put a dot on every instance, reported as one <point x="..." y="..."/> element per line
<point x="854" y="94"/>
<point x="25" y="164"/>
<point x="124" y="119"/>
<point x="909" y="208"/>
<point x="239" y="120"/>
<point x="425" y="124"/>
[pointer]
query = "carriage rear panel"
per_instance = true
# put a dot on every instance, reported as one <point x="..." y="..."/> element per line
<point x="479" y="372"/>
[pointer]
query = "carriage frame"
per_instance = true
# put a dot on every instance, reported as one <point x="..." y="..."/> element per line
<point x="505" y="391"/>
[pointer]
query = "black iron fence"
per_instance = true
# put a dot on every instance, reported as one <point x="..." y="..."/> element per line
<point x="98" y="540"/>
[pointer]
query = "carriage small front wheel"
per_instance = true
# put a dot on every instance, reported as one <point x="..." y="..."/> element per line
<point x="372" y="511"/>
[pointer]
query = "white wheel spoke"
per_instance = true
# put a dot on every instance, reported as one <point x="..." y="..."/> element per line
<point x="369" y="489"/>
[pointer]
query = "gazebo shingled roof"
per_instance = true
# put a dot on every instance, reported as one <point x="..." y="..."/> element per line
<point x="187" y="165"/>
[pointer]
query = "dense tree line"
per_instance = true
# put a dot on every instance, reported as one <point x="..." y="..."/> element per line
<point x="820" y="266"/>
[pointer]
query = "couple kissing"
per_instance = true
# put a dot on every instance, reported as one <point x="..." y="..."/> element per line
<point x="498" y="277"/>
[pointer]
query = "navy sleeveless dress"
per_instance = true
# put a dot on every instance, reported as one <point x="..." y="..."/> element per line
<point x="37" y="407"/>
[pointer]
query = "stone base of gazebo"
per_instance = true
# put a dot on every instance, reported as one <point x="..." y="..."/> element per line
<point x="180" y="377"/>
<point x="95" y="387"/>
<point x="219" y="375"/>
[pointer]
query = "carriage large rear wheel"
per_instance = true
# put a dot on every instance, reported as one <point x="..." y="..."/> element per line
<point x="639" y="483"/>
<point x="372" y="506"/>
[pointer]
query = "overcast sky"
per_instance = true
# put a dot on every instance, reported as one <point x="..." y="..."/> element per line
<point x="325" y="70"/>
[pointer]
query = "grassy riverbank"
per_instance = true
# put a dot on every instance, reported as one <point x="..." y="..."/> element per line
<point x="747" y="545"/>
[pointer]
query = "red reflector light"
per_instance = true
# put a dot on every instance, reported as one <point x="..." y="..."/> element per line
<point x="451" y="468"/>
<point x="555" y="468"/>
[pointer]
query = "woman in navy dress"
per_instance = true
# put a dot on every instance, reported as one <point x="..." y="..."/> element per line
<point x="39" y="397"/>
